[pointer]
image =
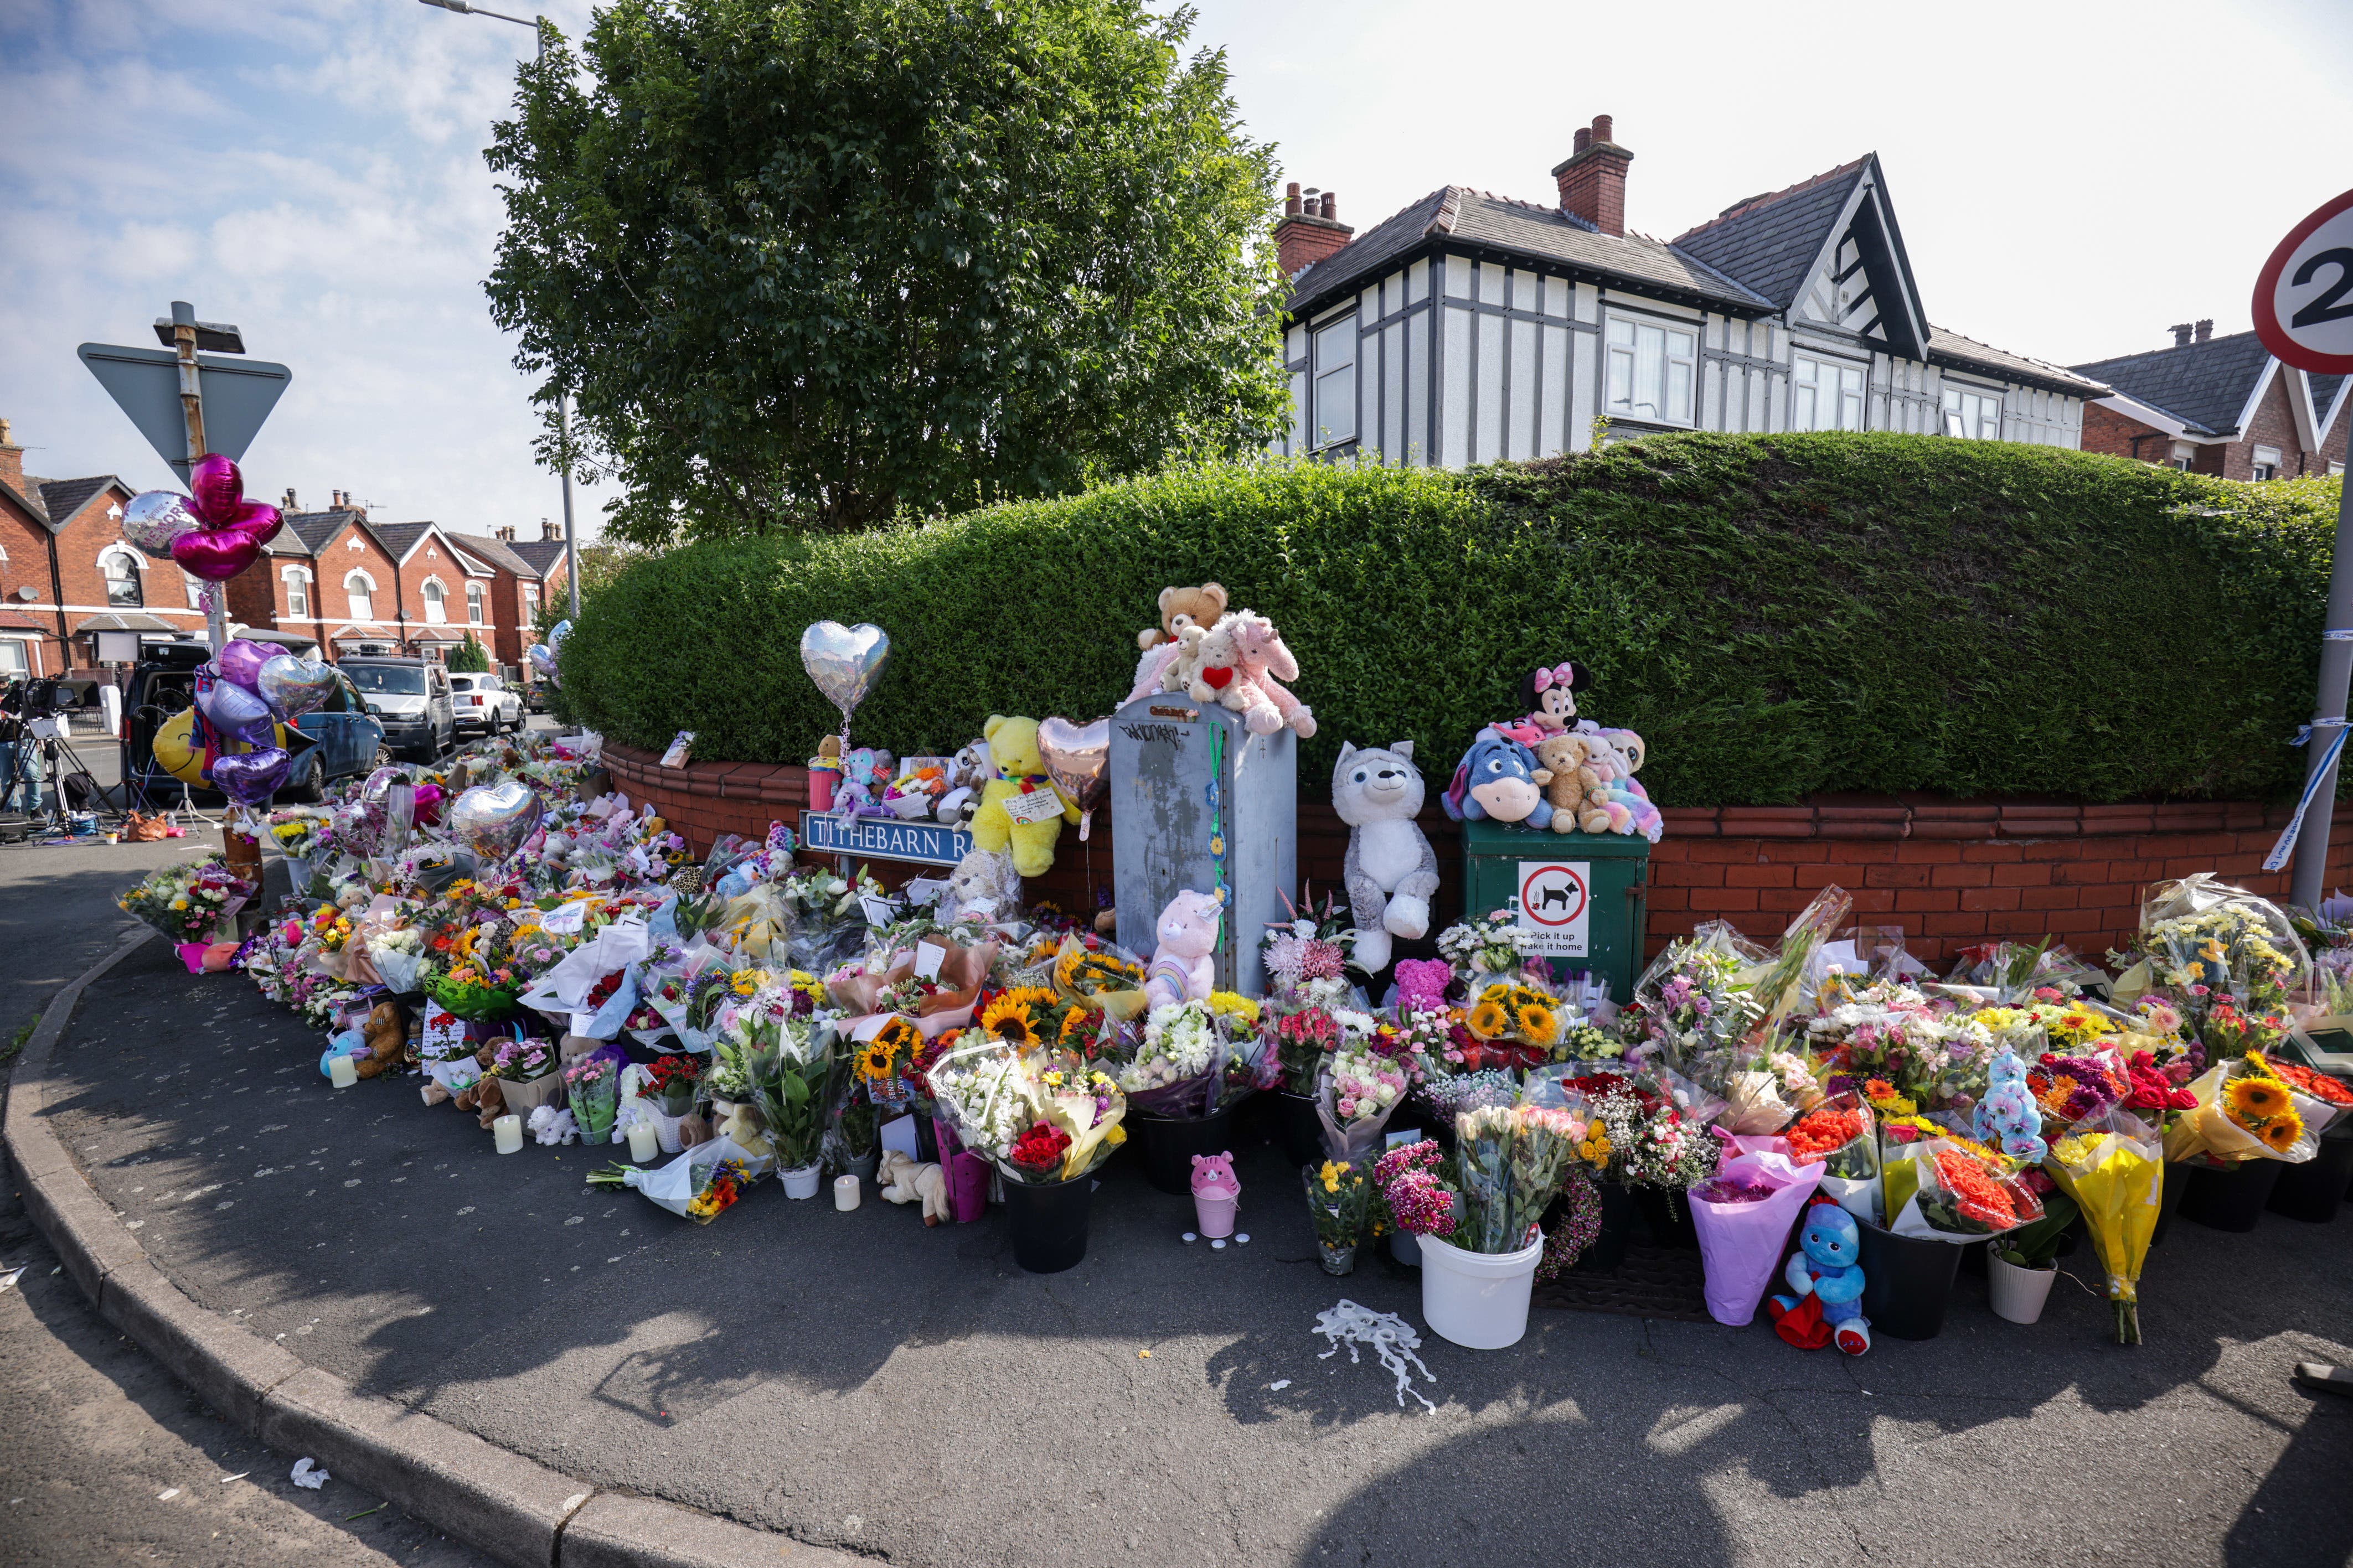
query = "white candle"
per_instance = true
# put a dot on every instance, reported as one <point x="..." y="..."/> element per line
<point x="845" y="1193"/>
<point x="509" y="1130"/>
<point x="343" y="1072"/>
<point x="643" y="1144"/>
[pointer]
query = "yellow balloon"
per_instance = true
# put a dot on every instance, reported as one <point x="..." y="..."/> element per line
<point x="177" y="754"/>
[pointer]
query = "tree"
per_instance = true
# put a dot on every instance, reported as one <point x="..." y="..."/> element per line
<point x="815" y="263"/>
<point x="599" y="563"/>
<point x="468" y="658"/>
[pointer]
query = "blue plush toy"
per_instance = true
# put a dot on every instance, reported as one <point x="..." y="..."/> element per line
<point x="2008" y="1117"/>
<point x="1498" y="777"/>
<point x="1826" y="1276"/>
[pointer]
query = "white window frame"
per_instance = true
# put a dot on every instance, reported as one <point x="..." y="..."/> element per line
<point x="1641" y="356"/>
<point x="1962" y="403"/>
<point x="1334" y="380"/>
<point x="298" y="592"/>
<point x="1848" y="390"/>
<point x="2265" y="464"/>
<point x="476" y="598"/>
<point x="362" y="604"/>
<point x="28" y="658"/>
<point x="137" y="572"/>
<point x="195" y="588"/>
<point x="435" y="594"/>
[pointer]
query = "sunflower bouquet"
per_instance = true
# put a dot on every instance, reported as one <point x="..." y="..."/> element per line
<point x="2247" y="1111"/>
<point x="1084" y="969"/>
<point x="1515" y="1025"/>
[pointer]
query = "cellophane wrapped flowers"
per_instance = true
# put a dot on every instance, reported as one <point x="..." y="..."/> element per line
<point x="185" y="902"/>
<point x="1510" y="1163"/>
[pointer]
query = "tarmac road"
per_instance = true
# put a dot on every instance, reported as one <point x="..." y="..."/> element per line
<point x="906" y="1393"/>
<point x="92" y="1433"/>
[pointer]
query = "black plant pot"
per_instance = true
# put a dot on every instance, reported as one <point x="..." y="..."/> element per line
<point x="1667" y="1215"/>
<point x="2176" y="1180"/>
<point x="1608" y="1247"/>
<point x="1907" y="1282"/>
<point x="1170" y="1147"/>
<point x="1048" y="1222"/>
<point x="2315" y="1190"/>
<point x="1299" y="1128"/>
<point x="2231" y="1198"/>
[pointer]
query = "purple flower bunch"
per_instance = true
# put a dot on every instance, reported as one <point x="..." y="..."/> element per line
<point x="1734" y="1189"/>
<point x="1408" y="1183"/>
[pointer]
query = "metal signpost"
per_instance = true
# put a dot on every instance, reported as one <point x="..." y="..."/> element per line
<point x="2303" y="313"/>
<point x="188" y="404"/>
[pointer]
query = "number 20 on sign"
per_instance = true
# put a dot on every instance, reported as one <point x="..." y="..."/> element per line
<point x="2303" y="296"/>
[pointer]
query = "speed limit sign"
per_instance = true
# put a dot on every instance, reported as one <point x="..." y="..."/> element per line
<point x="2304" y="297"/>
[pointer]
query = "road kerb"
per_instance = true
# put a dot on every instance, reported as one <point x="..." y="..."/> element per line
<point x="510" y="1507"/>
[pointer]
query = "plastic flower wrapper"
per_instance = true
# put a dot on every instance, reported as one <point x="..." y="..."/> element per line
<point x="1941" y="1185"/>
<point x="1513" y="1023"/>
<point x="1742" y="1217"/>
<point x="994" y="1094"/>
<point x="1697" y="999"/>
<point x="2246" y="1111"/>
<point x="1416" y="1189"/>
<point x="1924" y="1047"/>
<point x="1100" y="974"/>
<point x="1839" y="1135"/>
<point x="2309" y="1084"/>
<point x="2114" y="1171"/>
<point x="1340" y="1200"/>
<point x="1510" y="1163"/>
<point x="789" y="1061"/>
<point x="592" y="1086"/>
<point x="2012" y="972"/>
<point x="1356" y="1094"/>
<point x="1179" y="1069"/>
<point x="700" y="1184"/>
<point x="936" y="982"/>
<point x="2204" y="941"/>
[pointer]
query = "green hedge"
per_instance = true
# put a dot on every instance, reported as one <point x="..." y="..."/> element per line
<point x="1778" y="616"/>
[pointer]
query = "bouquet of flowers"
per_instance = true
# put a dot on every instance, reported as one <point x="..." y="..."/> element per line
<point x="185" y="902"/>
<point x="592" y="1084"/>
<point x="1043" y="1116"/>
<point x="1339" y="1201"/>
<point x="1742" y="1216"/>
<point x="522" y="1060"/>
<point x="1764" y="1096"/>
<point x="1837" y="1135"/>
<point x="1940" y="1185"/>
<point x="1698" y="999"/>
<point x="300" y="832"/>
<point x="1515" y="1024"/>
<point x="2246" y="1112"/>
<point x="1299" y="1039"/>
<point x="1416" y="1189"/>
<point x="674" y="1080"/>
<point x="1102" y="976"/>
<point x="1650" y="1143"/>
<point x="786" y="1061"/>
<point x="2115" y="1172"/>
<point x="2207" y="942"/>
<point x="1495" y="944"/>
<point x="1509" y="1163"/>
<point x="936" y="981"/>
<point x="1357" y="1093"/>
<point x="1452" y="1094"/>
<point x="1306" y="956"/>
<point x="1926" y="1050"/>
<point x="476" y="992"/>
<point x="1180" y="1070"/>
<point x="698" y="1185"/>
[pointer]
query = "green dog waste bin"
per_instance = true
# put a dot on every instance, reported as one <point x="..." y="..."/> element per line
<point x="1584" y="895"/>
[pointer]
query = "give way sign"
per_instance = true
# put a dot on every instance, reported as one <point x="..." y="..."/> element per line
<point x="2304" y="297"/>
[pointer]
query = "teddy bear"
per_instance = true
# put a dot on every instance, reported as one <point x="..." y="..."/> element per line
<point x="1211" y="667"/>
<point x="1498" y="777"/>
<point x="983" y="883"/>
<point x="1179" y="608"/>
<point x="1825" y="1276"/>
<point x="1020" y="771"/>
<point x="968" y="772"/>
<point x="1182" y="968"/>
<point x="1391" y="872"/>
<point x="1578" y="798"/>
<point x="1263" y="662"/>
<point x="387" y="1041"/>
<point x="2008" y="1115"/>
<point x="904" y="1180"/>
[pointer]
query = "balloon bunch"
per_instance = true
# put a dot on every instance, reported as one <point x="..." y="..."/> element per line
<point x="215" y="533"/>
<point x="543" y="655"/>
<point x="247" y="690"/>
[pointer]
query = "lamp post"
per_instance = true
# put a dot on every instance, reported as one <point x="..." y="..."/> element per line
<point x="538" y="25"/>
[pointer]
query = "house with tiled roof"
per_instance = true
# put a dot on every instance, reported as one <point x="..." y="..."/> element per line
<point x="1471" y="328"/>
<point x="66" y="574"/>
<point x="2217" y="406"/>
<point x="518" y="586"/>
<point x="353" y="584"/>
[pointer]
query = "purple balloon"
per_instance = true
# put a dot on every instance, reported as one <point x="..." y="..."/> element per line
<point x="233" y="709"/>
<point x="251" y="778"/>
<point x="218" y="487"/>
<point x="216" y="555"/>
<point x="240" y="663"/>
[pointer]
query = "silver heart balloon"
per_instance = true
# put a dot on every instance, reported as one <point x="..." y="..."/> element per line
<point x="382" y="780"/>
<point x="1078" y="758"/>
<point x="556" y="636"/>
<point x="293" y="687"/>
<point x="844" y="661"/>
<point x="493" y="820"/>
<point x="156" y="518"/>
<point x="233" y="708"/>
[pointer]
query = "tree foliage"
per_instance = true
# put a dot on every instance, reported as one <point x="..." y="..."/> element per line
<point x="812" y="263"/>
<point x="1778" y="616"/>
<point x="469" y="658"/>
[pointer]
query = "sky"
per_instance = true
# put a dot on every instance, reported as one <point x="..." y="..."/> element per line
<point x="2072" y="176"/>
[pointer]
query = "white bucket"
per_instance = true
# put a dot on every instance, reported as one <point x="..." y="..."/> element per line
<point x="802" y="1183"/>
<point x="1478" y="1299"/>
<point x="2018" y="1294"/>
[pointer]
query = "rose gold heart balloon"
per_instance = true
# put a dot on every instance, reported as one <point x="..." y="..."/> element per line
<point x="1078" y="759"/>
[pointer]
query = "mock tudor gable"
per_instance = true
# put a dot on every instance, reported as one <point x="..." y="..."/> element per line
<point x="1471" y="328"/>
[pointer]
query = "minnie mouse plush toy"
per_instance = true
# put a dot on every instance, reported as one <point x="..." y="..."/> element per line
<point x="1550" y="697"/>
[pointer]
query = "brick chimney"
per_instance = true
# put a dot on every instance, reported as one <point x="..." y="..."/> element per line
<point x="2205" y="329"/>
<point x="2181" y="331"/>
<point x="1309" y="230"/>
<point x="290" y="503"/>
<point x="548" y="532"/>
<point x="1593" y="179"/>
<point x="12" y="459"/>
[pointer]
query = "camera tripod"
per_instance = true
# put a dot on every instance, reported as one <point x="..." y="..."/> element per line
<point x="47" y="730"/>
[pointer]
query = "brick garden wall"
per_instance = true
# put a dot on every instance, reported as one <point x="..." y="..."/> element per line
<point x="1949" y="873"/>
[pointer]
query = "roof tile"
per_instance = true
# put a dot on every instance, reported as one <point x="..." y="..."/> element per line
<point x="2205" y="385"/>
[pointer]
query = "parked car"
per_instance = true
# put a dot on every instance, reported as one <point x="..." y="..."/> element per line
<point x="485" y="705"/>
<point x="338" y="739"/>
<point x="412" y="696"/>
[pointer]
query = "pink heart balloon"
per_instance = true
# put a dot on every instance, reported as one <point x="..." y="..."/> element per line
<point x="240" y="663"/>
<point x="216" y="555"/>
<point x="218" y="489"/>
<point x="259" y="518"/>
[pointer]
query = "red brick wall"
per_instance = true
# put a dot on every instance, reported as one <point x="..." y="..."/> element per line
<point x="2273" y="426"/>
<point x="1950" y="873"/>
<point x="336" y="562"/>
<point x="2112" y="433"/>
<point x="34" y="621"/>
<point x="82" y="540"/>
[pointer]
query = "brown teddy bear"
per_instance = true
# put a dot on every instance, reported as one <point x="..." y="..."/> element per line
<point x="1577" y="795"/>
<point x="1179" y="608"/>
<point x="387" y="1041"/>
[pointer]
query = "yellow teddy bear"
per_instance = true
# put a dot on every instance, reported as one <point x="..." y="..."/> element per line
<point x="1020" y="772"/>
